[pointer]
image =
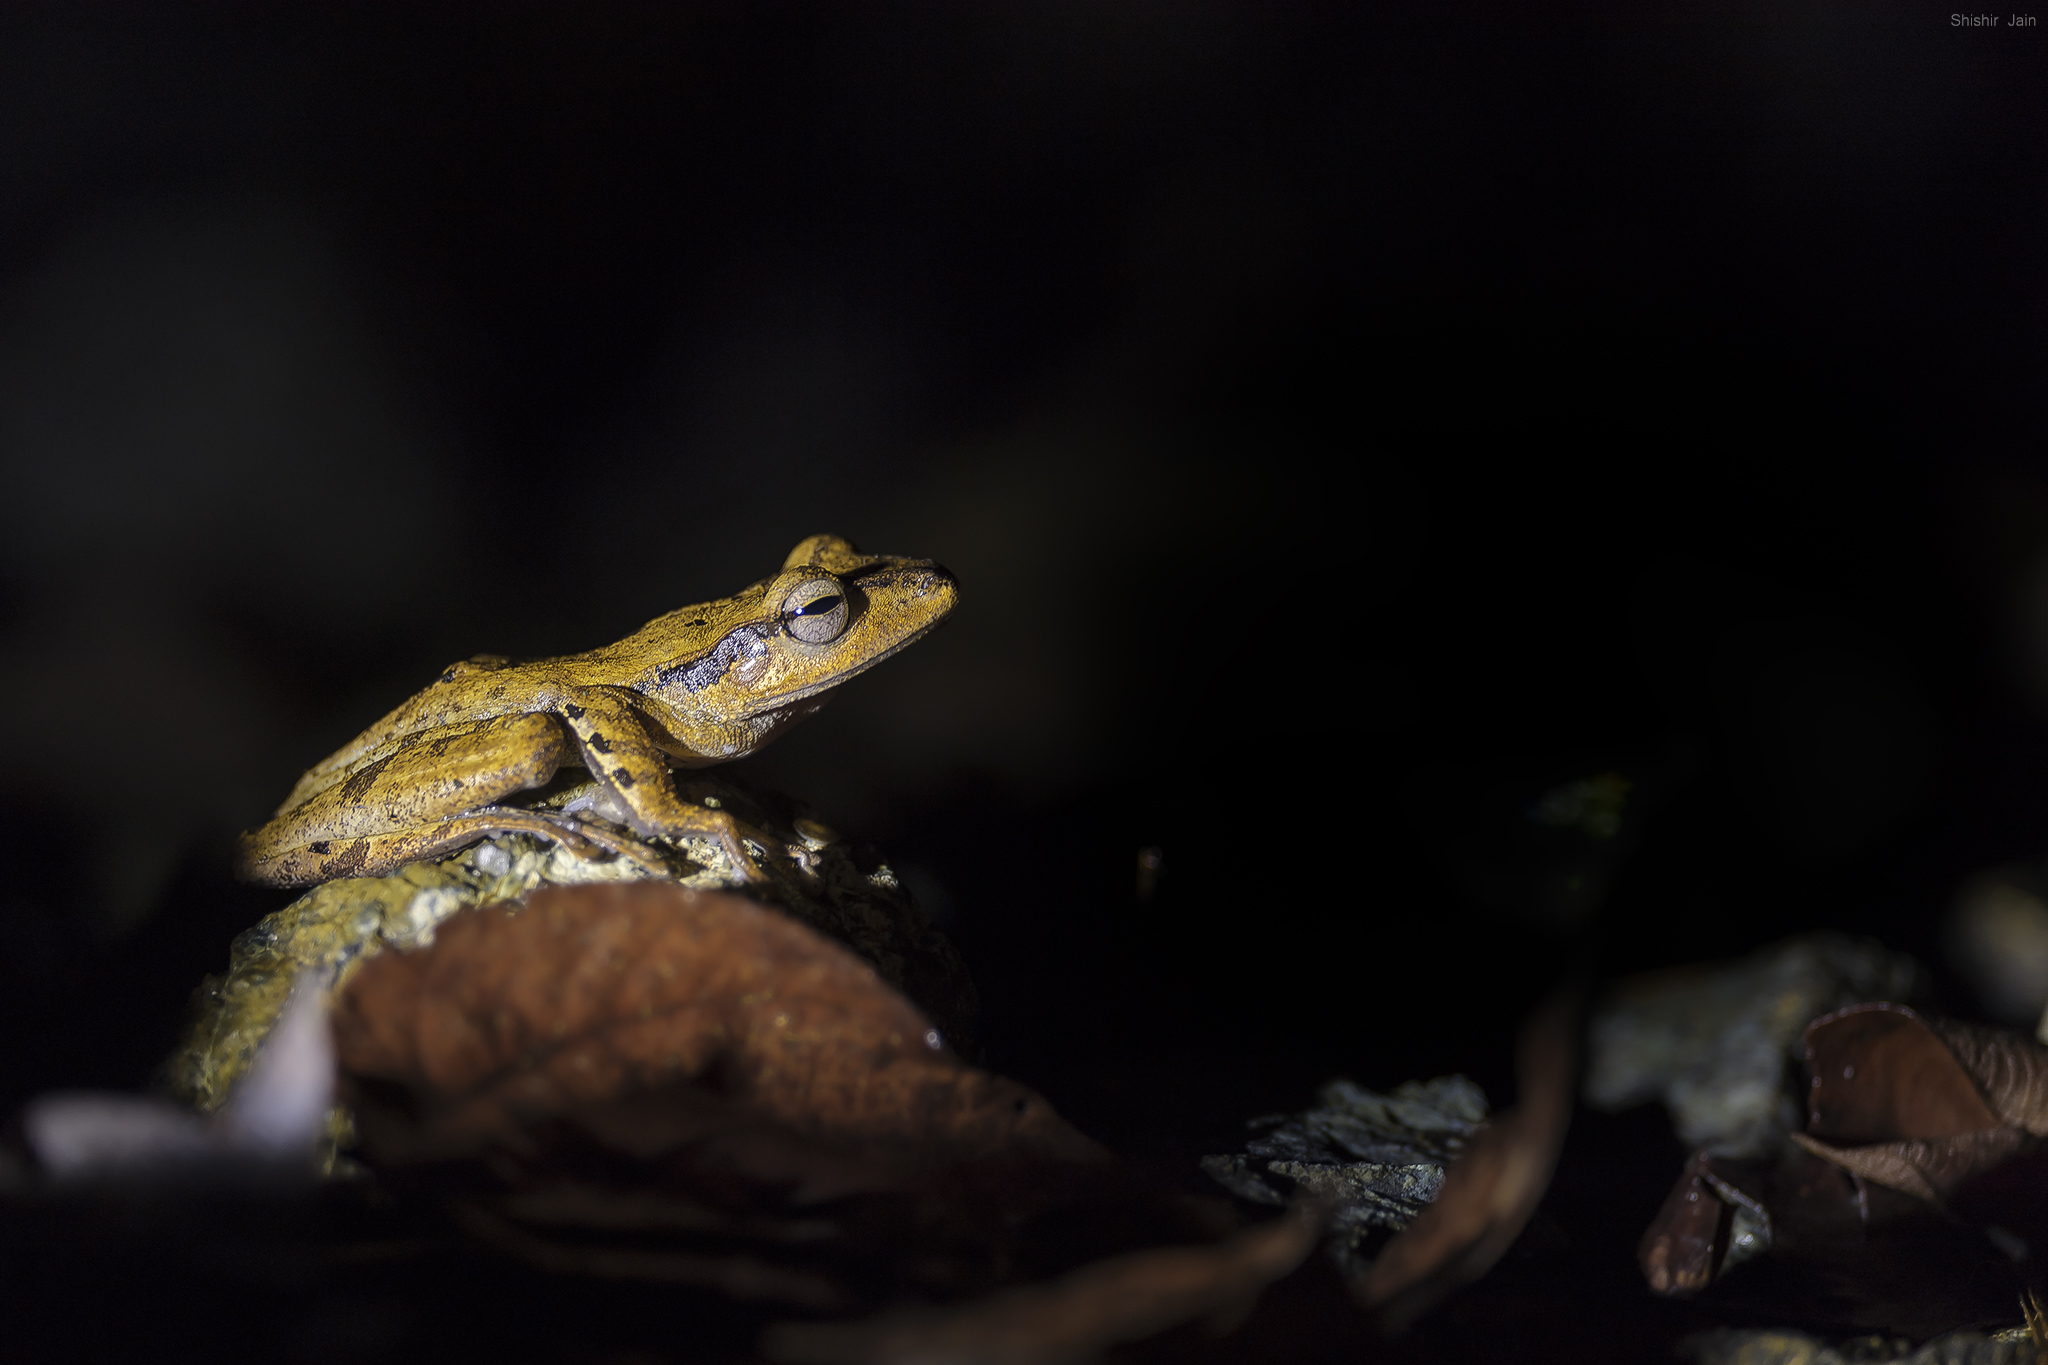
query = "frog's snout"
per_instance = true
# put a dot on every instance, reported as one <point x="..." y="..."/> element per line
<point x="906" y="599"/>
<point x="934" y="593"/>
<point x="921" y="581"/>
<point x="937" y="581"/>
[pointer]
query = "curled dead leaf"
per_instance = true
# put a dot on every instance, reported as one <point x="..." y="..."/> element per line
<point x="1929" y="1170"/>
<point x="2009" y="1069"/>
<point x="1491" y="1190"/>
<point x="1913" y="1121"/>
<point x="1918" y="1104"/>
<point x="1712" y="1219"/>
<point x="1848" y="1251"/>
<point x="641" y="1081"/>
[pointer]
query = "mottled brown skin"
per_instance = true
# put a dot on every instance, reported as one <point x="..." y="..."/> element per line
<point x="701" y="685"/>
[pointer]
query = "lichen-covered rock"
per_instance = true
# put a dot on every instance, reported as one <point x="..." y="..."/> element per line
<point x="1378" y="1159"/>
<point x="842" y="890"/>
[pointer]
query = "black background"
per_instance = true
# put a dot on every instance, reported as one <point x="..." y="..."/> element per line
<point x="1345" y="423"/>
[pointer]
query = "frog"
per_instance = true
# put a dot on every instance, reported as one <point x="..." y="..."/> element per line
<point x="701" y="685"/>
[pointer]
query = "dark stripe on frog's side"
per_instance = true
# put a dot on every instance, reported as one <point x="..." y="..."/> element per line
<point x="700" y="673"/>
<point x="350" y="859"/>
<point x="361" y="780"/>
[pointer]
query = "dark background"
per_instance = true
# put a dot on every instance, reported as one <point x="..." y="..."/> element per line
<point x="1345" y="423"/>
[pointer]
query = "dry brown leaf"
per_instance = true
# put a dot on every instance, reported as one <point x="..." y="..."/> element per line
<point x="1677" y="1250"/>
<point x="655" y="1014"/>
<point x="1930" y="1169"/>
<point x="1899" y="1105"/>
<point x="1865" y="1256"/>
<point x="1925" y="1107"/>
<point x="2009" y="1069"/>
<point x="1881" y="1075"/>
<point x="1917" y="1104"/>
<point x="1489" y="1192"/>
<point x="1123" y="1298"/>
<point x="1686" y="1244"/>
<point x="645" y="1082"/>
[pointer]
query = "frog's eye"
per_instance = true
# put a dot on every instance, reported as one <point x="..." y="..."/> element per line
<point x="815" y="612"/>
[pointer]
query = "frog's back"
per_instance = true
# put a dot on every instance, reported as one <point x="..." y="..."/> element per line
<point x="472" y="689"/>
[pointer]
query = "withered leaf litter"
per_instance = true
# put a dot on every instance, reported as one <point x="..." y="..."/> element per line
<point x="1915" y="1196"/>
<point x="647" y="1082"/>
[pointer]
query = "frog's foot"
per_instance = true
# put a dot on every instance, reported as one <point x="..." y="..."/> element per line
<point x="583" y="838"/>
<point x="594" y="838"/>
<point x="729" y="834"/>
<point x="742" y="844"/>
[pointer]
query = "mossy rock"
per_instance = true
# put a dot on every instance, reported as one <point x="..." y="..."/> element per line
<point x="839" y="888"/>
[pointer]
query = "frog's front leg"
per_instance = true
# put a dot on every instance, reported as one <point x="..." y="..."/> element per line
<point x="424" y="800"/>
<point x="623" y="756"/>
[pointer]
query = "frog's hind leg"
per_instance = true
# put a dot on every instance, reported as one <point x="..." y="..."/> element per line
<point x="325" y="860"/>
<point x="431" y="796"/>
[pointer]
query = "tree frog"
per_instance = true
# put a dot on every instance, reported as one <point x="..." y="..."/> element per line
<point x="701" y="685"/>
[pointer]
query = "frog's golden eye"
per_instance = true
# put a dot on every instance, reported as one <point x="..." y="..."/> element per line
<point x="815" y="612"/>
